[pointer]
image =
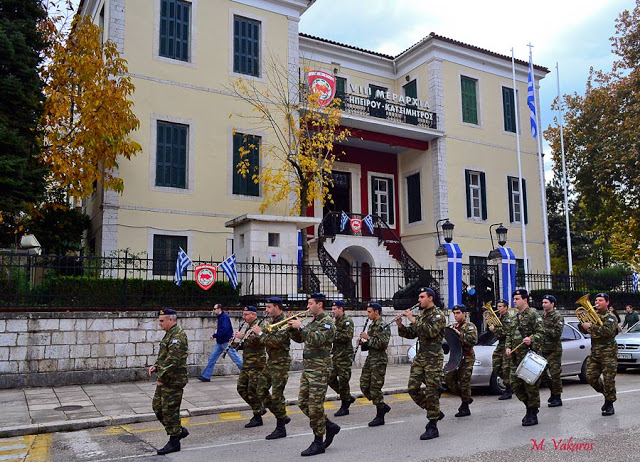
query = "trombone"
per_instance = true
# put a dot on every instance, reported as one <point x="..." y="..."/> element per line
<point x="490" y="316"/>
<point x="283" y="325"/>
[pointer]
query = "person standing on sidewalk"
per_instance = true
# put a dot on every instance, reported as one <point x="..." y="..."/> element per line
<point x="499" y="359"/>
<point x="172" y="376"/>
<point x="630" y="317"/>
<point x="342" y="357"/>
<point x="223" y="334"/>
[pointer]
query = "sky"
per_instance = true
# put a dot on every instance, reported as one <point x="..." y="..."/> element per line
<point x="573" y="33"/>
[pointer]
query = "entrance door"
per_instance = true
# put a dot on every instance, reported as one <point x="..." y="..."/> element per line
<point x="366" y="282"/>
<point x="341" y="196"/>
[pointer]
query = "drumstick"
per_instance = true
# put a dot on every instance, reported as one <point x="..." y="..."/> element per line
<point x="522" y="343"/>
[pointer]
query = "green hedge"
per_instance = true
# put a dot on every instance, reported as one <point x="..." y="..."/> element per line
<point x="567" y="298"/>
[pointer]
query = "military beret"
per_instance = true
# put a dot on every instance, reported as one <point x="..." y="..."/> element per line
<point x="603" y="295"/>
<point x="339" y="303"/>
<point x="551" y="298"/>
<point x="275" y="300"/>
<point x="251" y="308"/>
<point x="166" y="311"/>
<point x="522" y="292"/>
<point x="318" y="296"/>
<point x="502" y="300"/>
<point x="462" y="308"/>
<point x="428" y="290"/>
<point x="376" y="306"/>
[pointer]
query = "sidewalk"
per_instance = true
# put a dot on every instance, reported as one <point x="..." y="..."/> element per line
<point x="45" y="410"/>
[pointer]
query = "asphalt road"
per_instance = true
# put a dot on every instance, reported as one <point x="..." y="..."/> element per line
<point x="493" y="433"/>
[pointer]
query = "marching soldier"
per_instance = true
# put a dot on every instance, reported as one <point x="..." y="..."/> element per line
<point x="526" y="324"/>
<point x="499" y="359"/>
<point x="341" y="357"/>
<point x="317" y="337"/>
<point x="254" y="360"/>
<point x="459" y="379"/>
<point x="172" y="376"/>
<point x="276" y="373"/>
<point x="375" y="342"/>
<point x="549" y="344"/>
<point x="603" y="360"/>
<point x="426" y="367"/>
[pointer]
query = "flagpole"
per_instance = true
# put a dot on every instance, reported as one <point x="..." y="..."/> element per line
<point x="564" y="174"/>
<point x="543" y="192"/>
<point x="522" y="225"/>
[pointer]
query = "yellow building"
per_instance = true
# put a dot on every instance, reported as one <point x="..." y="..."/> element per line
<point x="433" y="134"/>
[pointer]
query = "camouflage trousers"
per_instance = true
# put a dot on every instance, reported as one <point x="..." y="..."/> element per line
<point x="551" y="375"/>
<point x="528" y="394"/>
<point x="607" y="367"/>
<point x="426" y="368"/>
<point x="340" y="375"/>
<point x="274" y="377"/>
<point x="500" y="364"/>
<point x="459" y="379"/>
<point x="248" y="388"/>
<point x="372" y="380"/>
<point x="166" y="406"/>
<point x="313" y="390"/>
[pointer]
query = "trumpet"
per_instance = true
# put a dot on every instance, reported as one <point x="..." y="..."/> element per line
<point x="398" y="316"/>
<point x="490" y="316"/>
<point x="586" y="312"/>
<point x="283" y="325"/>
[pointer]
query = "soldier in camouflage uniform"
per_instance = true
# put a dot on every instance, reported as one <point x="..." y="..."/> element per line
<point x="499" y="359"/>
<point x="549" y="344"/>
<point x="317" y="337"/>
<point x="603" y="360"/>
<point x="276" y="373"/>
<point x="342" y="357"/>
<point x="172" y="376"/>
<point x="375" y="342"/>
<point x="459" y="379"/>
<point x="426" y="367"/>
<point x="526" y="324"/>
<point x="253" y="361"/>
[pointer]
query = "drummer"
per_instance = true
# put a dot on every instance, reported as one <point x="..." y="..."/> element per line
<point x="526" y="323"/>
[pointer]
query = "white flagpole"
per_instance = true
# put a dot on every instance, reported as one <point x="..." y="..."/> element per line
<point x="522" y="225"/>
<point x="564" y="174"/>
<point x="543" y="191"/>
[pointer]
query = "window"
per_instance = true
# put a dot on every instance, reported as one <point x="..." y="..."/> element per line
<point x="414" y="199"/>
<point x="509" y="110"/>
<point x="175" y="18"/>
<point x="274" y="239"/>
<point x="468" y="87"/>
<point x="476" y="194"/>
<point x="249" y="146"/>
<point x="377" y="108"/>
<point x="165" y="252"/>
<point x="246" y="46"/>
<point x="341" y="91"/>
<point x="171" y="155"/>
<point x="411" y="90"/>
<point x="517" y="201"/>
<point x="382" y="199"/>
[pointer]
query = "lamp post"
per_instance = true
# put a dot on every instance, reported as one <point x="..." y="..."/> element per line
<point x="447" y="231"/>
<point x="501" y="235"/>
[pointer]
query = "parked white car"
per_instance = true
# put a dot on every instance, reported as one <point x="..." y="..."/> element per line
<point x="629" y="348"/>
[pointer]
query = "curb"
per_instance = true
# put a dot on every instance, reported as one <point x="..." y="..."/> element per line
<point x="83" y="424"/>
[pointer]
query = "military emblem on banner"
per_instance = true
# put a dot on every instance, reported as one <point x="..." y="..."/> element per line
<point x="324" y="84"/>
<point x="356" y="225"/>
<point x="206" y="276"/>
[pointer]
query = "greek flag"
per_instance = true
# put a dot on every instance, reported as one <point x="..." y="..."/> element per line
<point x="508" y="271"/>
<point x="181" y="265"/>
<point x="636" y="278"/>
<point x="368" y="220"/>
<point x="531" y="102"/>
<point x="454" y="273"/>
<point x="344" y="219"/>
<point x="229" y="268"/>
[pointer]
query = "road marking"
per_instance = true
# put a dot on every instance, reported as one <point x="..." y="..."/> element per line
<point x="40" y="450"/>
<point x="81" y="444"/>
<point x="599" y="395"/>
<point x="230" y="416"/>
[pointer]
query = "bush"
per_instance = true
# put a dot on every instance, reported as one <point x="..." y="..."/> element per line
<point x="567" y="298"/>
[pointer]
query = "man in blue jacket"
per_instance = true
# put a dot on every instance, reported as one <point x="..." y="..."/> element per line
<point x="222" y="336"/>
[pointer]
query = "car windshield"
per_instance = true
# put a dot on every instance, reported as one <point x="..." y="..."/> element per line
<point x="486" y="338"/>
<point x="635" y="329"/>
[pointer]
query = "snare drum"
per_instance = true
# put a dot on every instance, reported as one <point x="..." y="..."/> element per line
<point x="531" y="367"/>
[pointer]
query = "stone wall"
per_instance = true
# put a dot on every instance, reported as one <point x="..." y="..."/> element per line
<point x="68" y="348"/>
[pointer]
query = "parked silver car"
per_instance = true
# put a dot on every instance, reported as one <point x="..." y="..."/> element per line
<point x="629" y="348"/>
<point x="575" y="349"/>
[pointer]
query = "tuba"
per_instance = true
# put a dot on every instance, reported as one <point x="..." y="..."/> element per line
<point x="586" y="312"/>
<point x="490" y="316"/>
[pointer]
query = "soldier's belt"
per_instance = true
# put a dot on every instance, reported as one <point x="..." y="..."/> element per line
<point x="279" y="355"/>
<point x="315" y="354"/>
<point x="253" y="350"/>
<point x="426" y="348"/>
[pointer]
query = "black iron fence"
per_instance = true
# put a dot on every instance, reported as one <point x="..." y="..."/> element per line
<point x="128" y="281"/>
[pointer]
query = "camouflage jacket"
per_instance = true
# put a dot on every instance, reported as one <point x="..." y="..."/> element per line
<point x="468" y="337"/>
<point x="378" y="341"/>
<point x="254" y="356"/>
<point x="428" y="328"/>
<point x="343" y="337"/>
<point x="548" y="339"/>
<point x="500" y="332"/>
<point x="603" y="338"/>
<point x="317" y="337"/>
<point x="527" y="324"/>
<point x="171" y="365"/>
<point x="278" y="342"/>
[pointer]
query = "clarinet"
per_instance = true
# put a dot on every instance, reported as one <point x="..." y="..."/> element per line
<point x="226" y="350"/>
<point x="355" y="351"/>
<point x="249" y="331"/>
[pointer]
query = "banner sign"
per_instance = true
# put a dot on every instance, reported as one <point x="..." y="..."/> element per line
<point x="206" y="276"/>
<point x="356" y="225"/>
<point x="454" y="274"/>
<point x="324" y="84"/>
<point x="508" y="273"/>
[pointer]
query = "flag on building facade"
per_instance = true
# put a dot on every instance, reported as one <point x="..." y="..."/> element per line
<point x="368" y="220"/>
<point x="229" y="268"/>
<point x="344" y="220"/>
<point x="181" y="265"/>
<point x="531" y="102"/>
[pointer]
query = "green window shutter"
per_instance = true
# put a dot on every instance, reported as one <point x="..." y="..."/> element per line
<point x="181" y="156"/>
<point x="374" y="199"/>
<point x="164" y="27"/>
<point x="246" y="46"/>
<point x="183" y="17"/>
<point x="237" y="178"/>
<point x="341" y="90"/>
<point x="175" y="23"/>
<point x="510" y="198"/>
<point x="509" y="112"/>
<point x="253" y="188"/>
<point x="380" y="112"/>
<point x="483" y="194"/>
<point x="467" y="183"/>
<point x="171" y="155"/>
<point x="469" y="100"/>
<point x="524" y="201"/>
<point x="161" y="153"/>
<point x="411" y="89"/>
<point x="246" y="185"/>
<point x="414" y="205"/>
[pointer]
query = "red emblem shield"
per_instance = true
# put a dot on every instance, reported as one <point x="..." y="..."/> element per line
<point x="324" y="84"/>
<point x="206" y="276"/>
<point x="356" y="224"/>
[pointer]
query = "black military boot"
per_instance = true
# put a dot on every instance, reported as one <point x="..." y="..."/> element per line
<point x="172" y="446"/>
<point x="531" y="418"/>
<point x="184" y="433"/>
<point x="608" y="408"/>
<point x="332" y="430"/>
<point x="431" y="431"/>
<point x="344" y="409"/>
<point x="526" y="416"/>
<point x="463" y="410"/>
<point x="317" y="447"/>
<point x="507" y="393"/>
<point x="286" y="419"/>
<point x="256" y="421"/>
<point x="379" y="419"/>
<point x="279" y="432"/>
<point x="555" y="401"/>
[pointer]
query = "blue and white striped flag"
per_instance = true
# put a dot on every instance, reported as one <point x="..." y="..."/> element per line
<point x="344" y="219"/>
<point x="368" y="220"/>
<point x="636" y="278"/>
<point x="181" y="265"/>
<point x="531" y="102"/>
<point x="229" y="268"/>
